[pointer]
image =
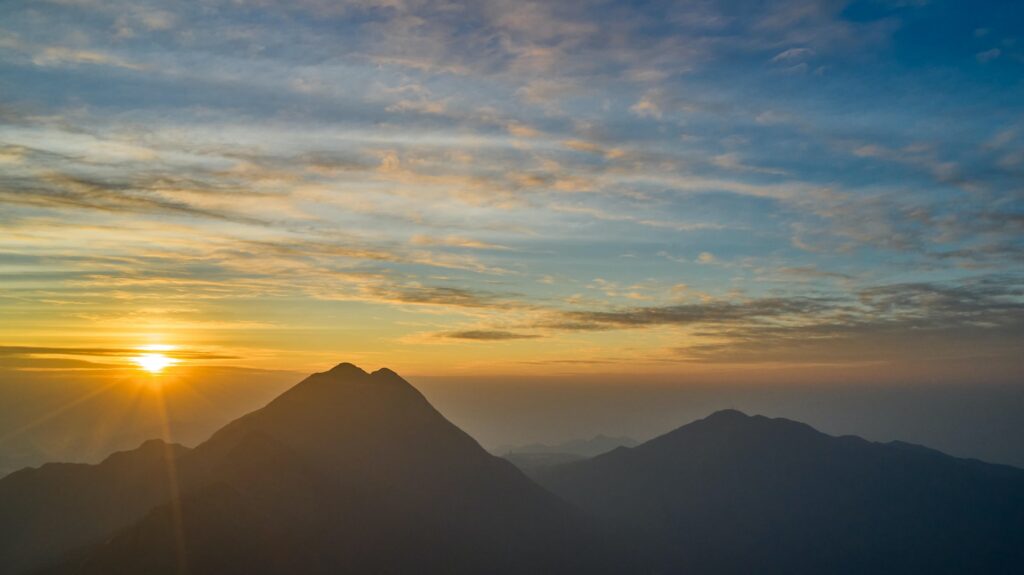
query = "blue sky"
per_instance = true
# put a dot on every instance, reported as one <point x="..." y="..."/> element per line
<point x="505" y="186"/>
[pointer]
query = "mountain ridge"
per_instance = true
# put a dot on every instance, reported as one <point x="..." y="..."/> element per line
<point x="798" y="501"/>
<point x="355" y="471"/>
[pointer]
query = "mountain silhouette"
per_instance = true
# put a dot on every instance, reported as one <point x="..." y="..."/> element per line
<point x="738" y="494"/>
<point x="347" y="472"/>
<point x="355" y="472"/>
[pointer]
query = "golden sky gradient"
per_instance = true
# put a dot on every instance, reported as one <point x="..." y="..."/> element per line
<point x="513" y="188"/>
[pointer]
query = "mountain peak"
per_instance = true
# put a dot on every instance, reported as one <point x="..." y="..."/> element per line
<point x="386" y="375"/>
<point x="350" y="393"/>
<point x="346" y="369"/>
<point x="148" y="449"/>
<point x="735" y="425"/>
<point x="727" y="414"/>
<point x="737" y="420"/>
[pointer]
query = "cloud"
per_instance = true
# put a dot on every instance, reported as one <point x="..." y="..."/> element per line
<point x="771" y="117"/>
<point x="438" y="295"/>
<point x="988" y="55"/>
<point x="647" y="107"/>
<point x="57" y="190"/>
<point x="487" y="335"/>
<point x="422" y="106"/>
<point x="792" y="55"/>
<point x="454" y="242"/>
<point x="583" y="146"/>
<point x="12" y="154"/>
<point x="522" y="130"/>
<point x="706" y="258"/>
<point x="690" y="314"/>
<point x="731" y="161"/>
<point x="974" y="318"/>
<point x="14" y="351"/>
<point x="811" y="272"/>
<point x="60" y="56"/>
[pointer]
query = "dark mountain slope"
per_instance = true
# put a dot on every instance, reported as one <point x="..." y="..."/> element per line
<point x="350" y="472"/>
<point x="739" y="494"/>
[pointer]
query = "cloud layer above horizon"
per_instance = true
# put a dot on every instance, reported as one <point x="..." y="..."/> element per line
<point x="505" y="186"/>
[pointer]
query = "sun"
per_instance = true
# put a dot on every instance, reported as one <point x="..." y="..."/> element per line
<point x="153" y="361"/>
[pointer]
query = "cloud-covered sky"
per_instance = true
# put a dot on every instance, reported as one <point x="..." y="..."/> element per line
<point x="814" y="187"/>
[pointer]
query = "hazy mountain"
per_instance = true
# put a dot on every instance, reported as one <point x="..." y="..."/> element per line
<point x="738" y="494"/>
<point x="345" y="472"/>
<point x="582" y="447"/>
<point x="45" y="512"/>
<point x="533" y="463"/>
<point x="11" y="462"/>
<point x="536" y="456"/>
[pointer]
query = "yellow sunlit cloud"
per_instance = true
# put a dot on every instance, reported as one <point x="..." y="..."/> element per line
<point x="156" y="347"/>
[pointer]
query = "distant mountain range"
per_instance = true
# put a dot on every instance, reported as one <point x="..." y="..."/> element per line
<point x="535" y="456"/>
<point x="355" y="472"/>
<point x="582" y="447"/>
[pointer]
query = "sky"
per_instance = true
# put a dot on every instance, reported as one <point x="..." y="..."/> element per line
<point x="796" y="191"/>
